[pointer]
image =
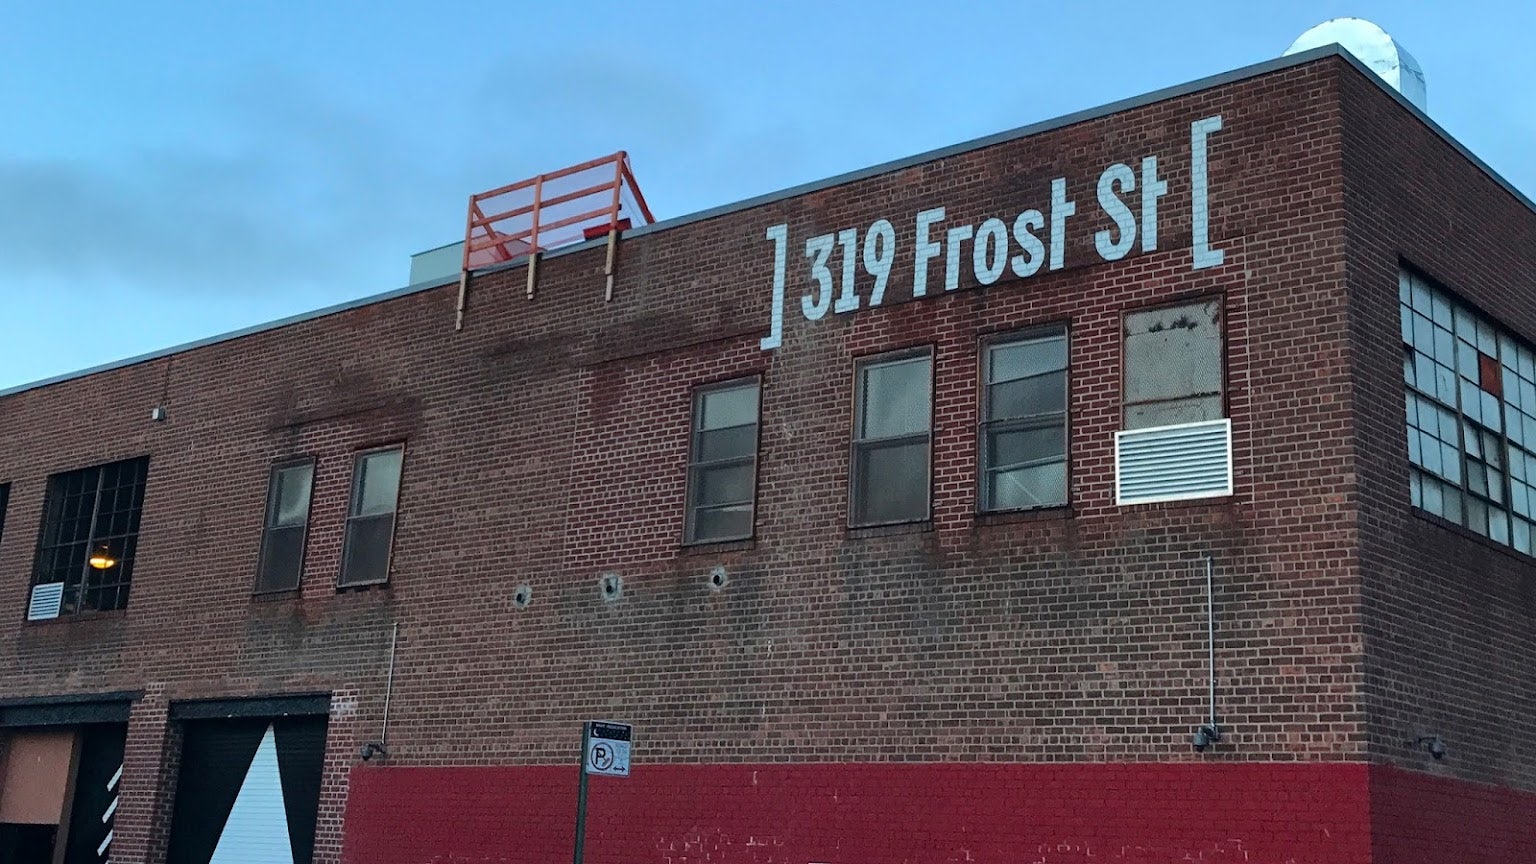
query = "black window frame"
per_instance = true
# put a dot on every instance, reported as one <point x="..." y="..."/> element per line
<point x="697" y="466"/>
<point x="354" y="500"/>
<point x="986" y="423"/>
<point x="123" y="545"/>
<point x="267" y="528"/>
<point x="858" y="442"/>
<point x="5" y="502"/>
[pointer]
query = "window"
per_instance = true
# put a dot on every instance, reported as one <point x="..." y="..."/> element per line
<point x="892" y="423"/>
<point x="90" y="535"/>
<point x="1173" y="365"/>
<point x="722" y="465"/>
<point x="5" y="499"/>
<point x="1024" y="422"/>
<point x="287" y="523"/>
<point x="1471" y="416"/>
<point x="371" y="517"/>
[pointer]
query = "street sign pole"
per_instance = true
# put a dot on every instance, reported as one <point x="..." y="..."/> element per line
<point x="581" y="793"/>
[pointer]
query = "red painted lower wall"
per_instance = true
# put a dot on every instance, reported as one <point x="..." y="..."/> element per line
<point x="868" y="814"/>
<point x="1421" y="819"/>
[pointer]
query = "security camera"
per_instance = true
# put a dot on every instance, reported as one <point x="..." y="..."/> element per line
<point x="1205" y="736"/>
<point x="372" y="748"/>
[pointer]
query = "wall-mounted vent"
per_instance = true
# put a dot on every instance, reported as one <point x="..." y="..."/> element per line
<point x="46" y="599"/>
<point x="1173" y="463"/>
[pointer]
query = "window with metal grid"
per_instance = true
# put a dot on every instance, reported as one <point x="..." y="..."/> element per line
<point x="90" y="534"/>
<point x="893" y="423"/>
<point x="370" y="532"/>
<point x="1173" y="368"/>
<point x="287" y="523"/>
<point x="1471" y="415"/>
<point x="1024" y="421"/>
<point x="722" y="464"/>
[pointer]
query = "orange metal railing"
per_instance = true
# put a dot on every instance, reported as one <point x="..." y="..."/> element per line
<point x="552" y="210"/>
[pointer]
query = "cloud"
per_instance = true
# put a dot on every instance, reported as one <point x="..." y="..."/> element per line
<point x="285" y="191"/>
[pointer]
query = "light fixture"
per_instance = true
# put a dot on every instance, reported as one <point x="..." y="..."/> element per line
<point x="102" y="558"/>
<point x="1436" y="747"/>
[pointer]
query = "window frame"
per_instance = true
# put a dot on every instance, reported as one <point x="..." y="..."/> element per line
<point x="984" y="422"/>
<point x="52" y="502"/>
<point x="1511" y="448"/>
<point x="1222" y="348"/>
<point x="690" y="513"/>
<point x="856" y="441"/>
<point x="353" y="500"/>
<point x="273" y="473"/>
<point x="5" y="504"/>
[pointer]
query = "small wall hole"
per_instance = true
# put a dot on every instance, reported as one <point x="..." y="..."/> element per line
<point x="611" y="586"/>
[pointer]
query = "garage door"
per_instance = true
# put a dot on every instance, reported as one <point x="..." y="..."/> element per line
<point x="248" y="791"/>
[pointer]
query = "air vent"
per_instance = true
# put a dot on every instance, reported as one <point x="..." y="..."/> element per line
<point x="46" y="599"/>
<point x="1173" y="463"/>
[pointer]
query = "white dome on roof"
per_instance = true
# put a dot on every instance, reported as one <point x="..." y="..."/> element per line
<point x="1377" y="50"/>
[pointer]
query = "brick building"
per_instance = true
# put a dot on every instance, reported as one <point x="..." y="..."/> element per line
<point x="924" y="514"/>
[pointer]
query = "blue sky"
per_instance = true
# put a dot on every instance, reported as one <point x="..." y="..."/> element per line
<point x="170" y="171"/>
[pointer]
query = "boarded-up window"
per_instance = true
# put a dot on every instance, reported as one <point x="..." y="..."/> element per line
<point x="371" y="518"/>
<point x="34" y="776"/>
<point x="282" y="540"/>
<point x="1173" y="365"/>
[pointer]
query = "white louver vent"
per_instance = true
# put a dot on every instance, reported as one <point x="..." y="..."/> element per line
<point x="1173" y="463"/>
<point x="45" y="601"/>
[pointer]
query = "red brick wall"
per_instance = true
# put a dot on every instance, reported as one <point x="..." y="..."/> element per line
<point x="1450" y="618"/>
<point x="1422" y="819"/>
<point x="860" y="814"/>
<point x="546" y="444"/>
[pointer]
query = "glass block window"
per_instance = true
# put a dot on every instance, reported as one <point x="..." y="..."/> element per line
<point x="1471" y="412"/>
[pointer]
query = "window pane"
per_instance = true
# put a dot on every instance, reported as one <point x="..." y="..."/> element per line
<point x="725" y="484"/>
<point x="1034" y="486"/>
<point x="1027" y="397"/>
<point x="1174" y="353"/>
<point x="282" y="559"/>
<point x="891" y="482"/>
<point x="731" y="443"/>
<point x="290" y="496"/>
<point x="378" y="484"/>
<point x="1008" y="447"/>
<point x="723" y="523"/>
<point x="895" y="398"/>
<point x="366" y="557"/>
<point x="724" y="408"/>
<point x="1026" y="359"/>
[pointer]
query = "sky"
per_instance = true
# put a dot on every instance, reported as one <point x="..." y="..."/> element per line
<point x="170" y="171"/>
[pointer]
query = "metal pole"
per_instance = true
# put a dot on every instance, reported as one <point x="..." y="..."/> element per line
<point x="389" y="687"/>
<point x="581" y="795"/>
<point x="1210" y="629"/>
